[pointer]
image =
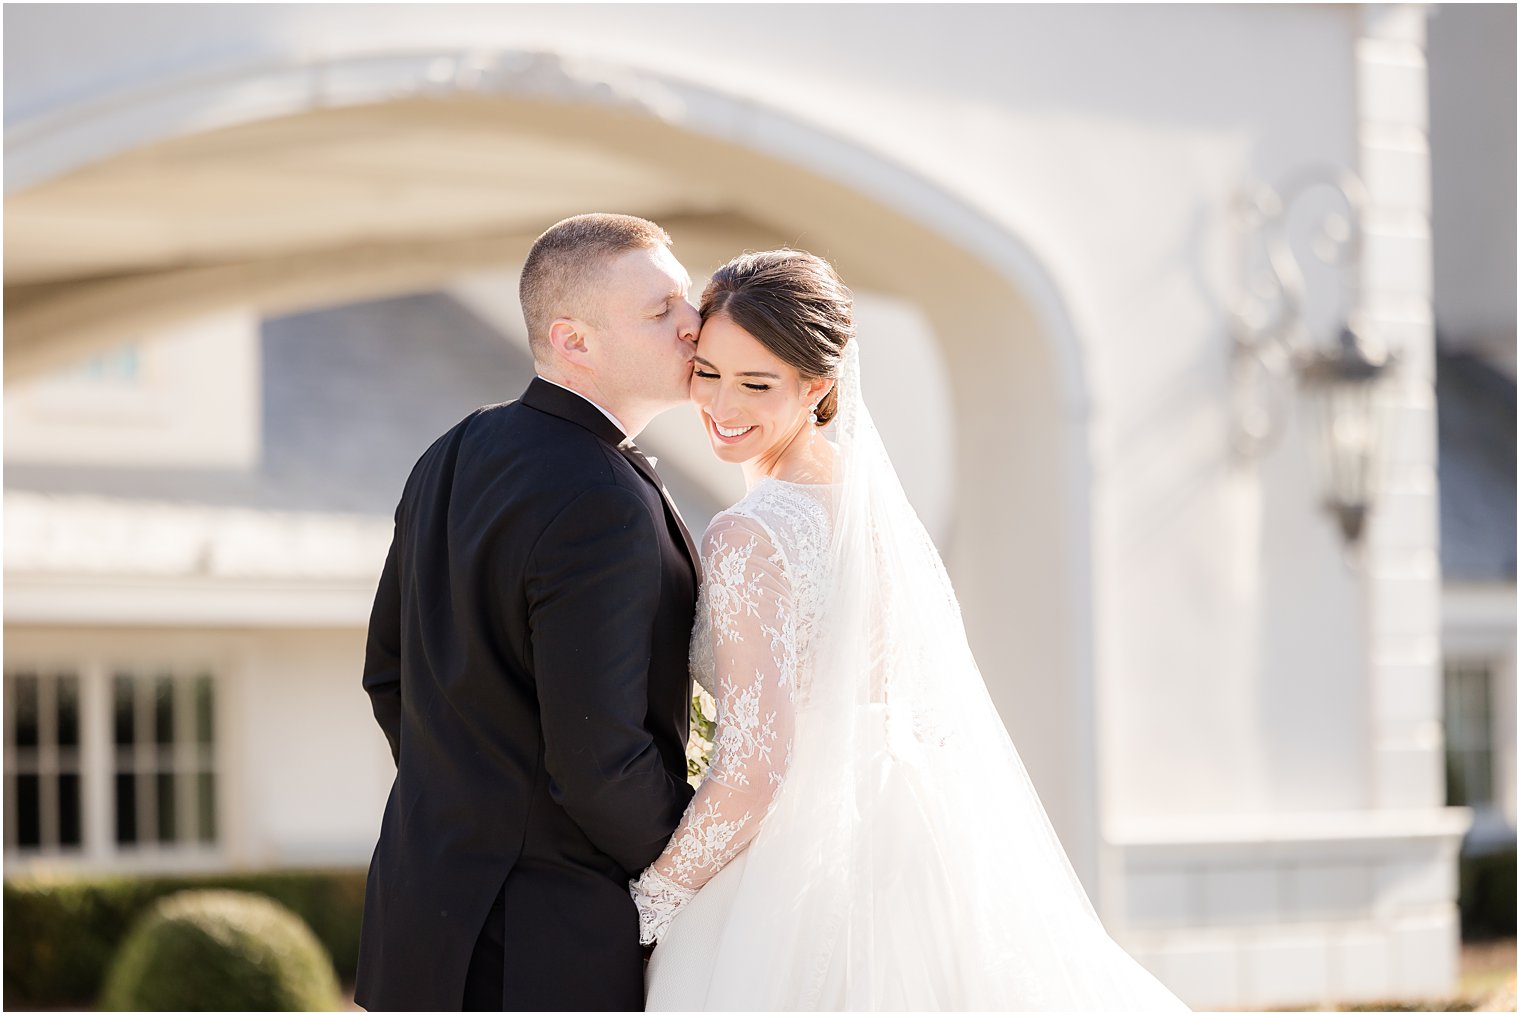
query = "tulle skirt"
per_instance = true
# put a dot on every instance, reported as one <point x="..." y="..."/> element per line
<point x="875" y="885"/>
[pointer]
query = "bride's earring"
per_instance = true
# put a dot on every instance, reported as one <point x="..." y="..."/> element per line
<point x="813" y="414"/>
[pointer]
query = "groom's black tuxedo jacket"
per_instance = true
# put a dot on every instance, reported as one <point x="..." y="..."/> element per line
<point x="527" y="660"/>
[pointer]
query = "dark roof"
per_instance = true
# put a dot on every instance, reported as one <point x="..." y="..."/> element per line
<point x="1475" y="410"/>
<point x="352" y="395"/>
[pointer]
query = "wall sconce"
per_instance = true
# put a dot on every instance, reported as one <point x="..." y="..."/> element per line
<point x="1275" y="355"/>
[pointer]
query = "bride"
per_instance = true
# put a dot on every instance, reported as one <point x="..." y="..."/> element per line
<point x="866" y="836"/>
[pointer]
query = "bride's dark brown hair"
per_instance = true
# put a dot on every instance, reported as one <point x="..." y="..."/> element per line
<point x="794" y="304"/>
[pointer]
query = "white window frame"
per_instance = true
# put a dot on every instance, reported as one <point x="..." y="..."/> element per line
<point x="1470" y="665"/>
<point x="146" y="759"/>
<point x="1478" y="627"/>
<point x="97" y="765"/>
<point x="49" y="765"/>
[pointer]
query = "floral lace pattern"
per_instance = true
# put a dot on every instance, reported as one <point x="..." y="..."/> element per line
<point x="659" y="899"/>
<point x="764" y="562"/>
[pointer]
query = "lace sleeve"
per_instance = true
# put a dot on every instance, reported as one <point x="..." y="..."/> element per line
<point x="753" y="627"/>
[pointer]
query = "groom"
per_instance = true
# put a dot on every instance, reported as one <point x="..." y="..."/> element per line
<point x="527" y="655"/>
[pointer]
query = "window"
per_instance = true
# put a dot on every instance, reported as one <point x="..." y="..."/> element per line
<point x="119" y="366"/>
<point x="42" y="762"/>
<point x="165" y="783"/>
<point x="181" y="397"/>
<point x="1469" y="733"/>
<point x="109" y="762"/>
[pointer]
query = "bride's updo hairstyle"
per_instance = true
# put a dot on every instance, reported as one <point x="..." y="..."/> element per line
<point x="793" y="304"/>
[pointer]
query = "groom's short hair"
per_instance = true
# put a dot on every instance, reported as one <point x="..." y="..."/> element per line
<point x="560" y="275"/>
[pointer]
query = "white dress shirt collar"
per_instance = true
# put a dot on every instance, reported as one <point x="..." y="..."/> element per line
<point x="599" y="409"/>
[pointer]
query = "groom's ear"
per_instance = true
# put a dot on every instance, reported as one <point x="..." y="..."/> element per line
<point x="568" y="337"/>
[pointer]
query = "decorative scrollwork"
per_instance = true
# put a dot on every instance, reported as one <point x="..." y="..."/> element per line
<point x="1267" y="323"/>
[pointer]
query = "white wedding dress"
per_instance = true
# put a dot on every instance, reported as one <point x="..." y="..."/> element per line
<point x="866" y="837"/>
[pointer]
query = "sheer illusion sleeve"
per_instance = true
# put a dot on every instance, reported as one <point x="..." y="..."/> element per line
<point x="749" y="610"/>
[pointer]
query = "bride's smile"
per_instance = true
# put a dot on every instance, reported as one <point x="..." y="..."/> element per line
<point x="730" y="435"/>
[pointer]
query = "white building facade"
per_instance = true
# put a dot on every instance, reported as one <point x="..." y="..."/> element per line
<point x="1234" y="724"/>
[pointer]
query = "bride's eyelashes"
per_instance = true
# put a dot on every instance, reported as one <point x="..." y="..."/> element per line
<point x="712" y="377"/>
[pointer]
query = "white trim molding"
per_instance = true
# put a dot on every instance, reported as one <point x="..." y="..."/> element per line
<point x="71" y="600"/>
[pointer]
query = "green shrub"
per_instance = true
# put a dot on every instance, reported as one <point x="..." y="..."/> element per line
<point x="220" y="951"/>
<point x="61" y="933"/>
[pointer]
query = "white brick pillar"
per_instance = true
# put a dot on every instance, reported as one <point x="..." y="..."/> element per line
<point x="1402" y="560"/>
<point x="1402" y="554"/>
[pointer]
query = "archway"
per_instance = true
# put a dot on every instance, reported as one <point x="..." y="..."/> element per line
<point x="720" y="171"/>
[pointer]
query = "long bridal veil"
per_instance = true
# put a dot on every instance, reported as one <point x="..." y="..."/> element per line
<point x="948" y="882"/>
<point x="907" y="862"/>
